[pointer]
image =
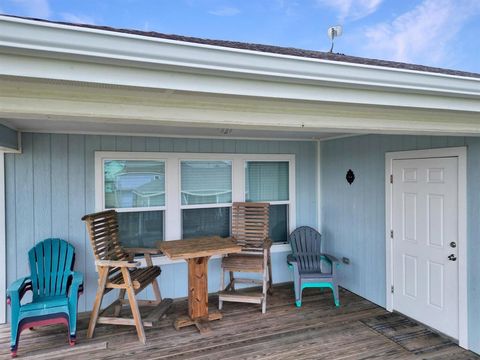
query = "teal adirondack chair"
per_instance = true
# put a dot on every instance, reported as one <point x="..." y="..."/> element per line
<point x="55" y="290"/>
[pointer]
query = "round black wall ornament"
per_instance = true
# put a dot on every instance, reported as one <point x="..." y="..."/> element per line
<point x="350" y="176"/>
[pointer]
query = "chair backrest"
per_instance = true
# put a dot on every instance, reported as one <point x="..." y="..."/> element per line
<point x="250" y="223"/>
<point x="306" y="246"/>
<point x="51" y="262"/>
<point x="102" y="228"/>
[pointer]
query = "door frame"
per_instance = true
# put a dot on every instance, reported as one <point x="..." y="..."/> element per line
<point x="461" y="154"/>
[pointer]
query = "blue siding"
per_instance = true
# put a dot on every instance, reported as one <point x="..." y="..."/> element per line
<point x="353" y="217"/>
<point x="51" y="185"/>
<point x="8" y="137"/>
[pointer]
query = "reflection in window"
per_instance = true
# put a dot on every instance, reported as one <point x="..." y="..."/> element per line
<point x="134" y="183"/>
<point x="206" y="182"/>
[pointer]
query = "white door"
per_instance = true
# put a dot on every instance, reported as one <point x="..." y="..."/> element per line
<point x="425" y="241"/>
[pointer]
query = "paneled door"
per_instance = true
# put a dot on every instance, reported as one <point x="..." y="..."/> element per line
<point x="425" y="241"/>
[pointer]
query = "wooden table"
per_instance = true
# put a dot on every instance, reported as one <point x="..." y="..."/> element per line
<point x="197" y="252"/>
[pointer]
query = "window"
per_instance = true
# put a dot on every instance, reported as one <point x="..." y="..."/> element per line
<point x="206" y="192"/>
<point x="170" y="196"/>
<point x="268" y="181"/>
<point x="136" y="189"/>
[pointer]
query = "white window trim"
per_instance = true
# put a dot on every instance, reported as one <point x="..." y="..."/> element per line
<point x="461" y="154"/>
<point x="173" y="206"/>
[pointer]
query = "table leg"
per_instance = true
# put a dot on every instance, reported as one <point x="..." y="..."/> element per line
<point x="198" y="287"/>
<point x="198" y="297"/>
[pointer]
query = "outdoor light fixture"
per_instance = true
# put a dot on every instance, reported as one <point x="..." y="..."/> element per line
<point x="350" y="176"/>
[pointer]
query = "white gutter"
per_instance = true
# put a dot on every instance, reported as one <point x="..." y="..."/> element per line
<point x="25" y="42"/>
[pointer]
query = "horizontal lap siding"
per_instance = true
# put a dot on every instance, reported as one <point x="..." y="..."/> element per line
<point x="51" y="185"/>
<point x="353" y="216"/>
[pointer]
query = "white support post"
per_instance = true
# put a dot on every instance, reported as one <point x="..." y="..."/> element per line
<point x="3" y="247"/>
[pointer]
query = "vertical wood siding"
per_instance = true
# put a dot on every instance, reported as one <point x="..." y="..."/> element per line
<point x="353" y="216"/>
<point x="50" y="186"/>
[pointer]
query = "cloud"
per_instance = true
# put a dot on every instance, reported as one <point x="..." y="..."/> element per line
<point x="77" y="19"/>
<point x="289" y="7"/>
<point x="225" y="11"/>
<point x="35" y="8"/>
<point x="424" y="34"/>
<point x="351" y="9"/>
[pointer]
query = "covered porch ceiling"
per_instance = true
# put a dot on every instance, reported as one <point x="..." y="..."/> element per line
<point x="54" y="106"/>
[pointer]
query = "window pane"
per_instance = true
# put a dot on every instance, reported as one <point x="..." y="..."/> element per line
<point x="206" y="222"/>
<point x="206" y="182"/>
<point x="140" y="229"/>
<point x="266" y="181"/>
<point x="134" y="183"/>
<point x="279" y="223"/>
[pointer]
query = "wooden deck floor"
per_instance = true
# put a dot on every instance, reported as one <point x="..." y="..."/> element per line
<point x="317" y="330"/>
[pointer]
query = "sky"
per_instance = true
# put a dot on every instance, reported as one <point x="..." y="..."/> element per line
<point x="442" y="33"/>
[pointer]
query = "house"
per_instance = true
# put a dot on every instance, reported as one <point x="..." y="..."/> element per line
<point x="170" y="130"/>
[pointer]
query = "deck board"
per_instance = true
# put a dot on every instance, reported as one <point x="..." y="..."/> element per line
<point x="357" y="330"/>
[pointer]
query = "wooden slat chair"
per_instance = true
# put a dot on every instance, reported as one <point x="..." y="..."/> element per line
<point x="250" y="226"/>
<point x="118" y="270"/>
<point x="55" y="290"/>
<point x="308" y="263"/>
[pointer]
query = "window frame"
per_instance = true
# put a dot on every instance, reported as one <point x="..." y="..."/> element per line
<point x="100" y="183"/>
<point x="173" y="206"/>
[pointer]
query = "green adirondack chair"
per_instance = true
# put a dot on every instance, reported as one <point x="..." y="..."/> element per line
<point x="55" y="290"/>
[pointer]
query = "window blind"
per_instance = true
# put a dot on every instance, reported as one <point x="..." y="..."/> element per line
<point x="266" y="181"/>
<point x="206" y="182"/>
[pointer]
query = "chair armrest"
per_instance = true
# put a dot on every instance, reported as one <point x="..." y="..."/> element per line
<point x="17" y="289"/>
<point x="291" y="259"/>
<point x="77" y="282"/>
<point x="267" y="244"/>
<point x="151" y="251"/>
<point x="118" y="263"/>
<point x="333" y="262"/>
<point x="331" y="258"/>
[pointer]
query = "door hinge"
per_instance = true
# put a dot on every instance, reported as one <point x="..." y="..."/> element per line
<point x="392" y="289"/>
<point x="391" y="179"/>
<point x="391" y="234"/>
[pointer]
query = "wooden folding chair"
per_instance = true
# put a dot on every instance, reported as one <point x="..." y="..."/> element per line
<point x="117" y="270"/>
<point x="250" y="225"/>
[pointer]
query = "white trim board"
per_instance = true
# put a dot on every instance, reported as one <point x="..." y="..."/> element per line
<point x="3" y="248"/>
<point x="319" y="186"/>
<point x="173" y="136"/>
<point x="461" y="154"/>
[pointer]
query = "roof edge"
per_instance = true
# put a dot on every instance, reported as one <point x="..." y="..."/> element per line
<point x="42" y="39"/>
<point x="255" y="47"/>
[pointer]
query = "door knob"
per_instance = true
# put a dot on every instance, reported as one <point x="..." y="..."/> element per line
<point x="452" y="257"/>
<point x="453" y="244"/>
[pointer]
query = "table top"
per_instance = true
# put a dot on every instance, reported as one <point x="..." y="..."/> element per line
<point x="198" y="247"/>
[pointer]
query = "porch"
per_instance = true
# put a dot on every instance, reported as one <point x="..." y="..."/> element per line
<point x="164" y="104"/>
<point x="358" y="329"/>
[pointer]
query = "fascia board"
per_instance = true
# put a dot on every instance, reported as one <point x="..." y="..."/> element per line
<point x="56" y="41"/>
